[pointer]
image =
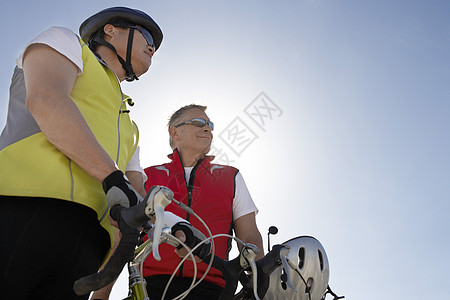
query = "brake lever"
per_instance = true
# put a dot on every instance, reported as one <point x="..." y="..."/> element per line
<point x="140" y="255"/>
<point x="247" y="259"/>
<point x="284" y="261"/>
<point x="156" y="201"/>
<point x="165" y="236"/>
<point x="142" y="252"/>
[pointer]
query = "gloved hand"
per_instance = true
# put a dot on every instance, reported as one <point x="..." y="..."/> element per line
<point x="193" y="238"/>
<point x="119" y="191"/>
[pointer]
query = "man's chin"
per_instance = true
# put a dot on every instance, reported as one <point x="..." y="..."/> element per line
<point x="207" y="149"/>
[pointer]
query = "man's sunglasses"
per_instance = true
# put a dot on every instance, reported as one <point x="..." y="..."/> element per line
<point x="199" y="122"/>
<point x="147" y="35"/>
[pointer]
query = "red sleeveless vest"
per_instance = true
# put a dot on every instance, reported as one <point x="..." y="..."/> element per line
<point x="210" y="193"/>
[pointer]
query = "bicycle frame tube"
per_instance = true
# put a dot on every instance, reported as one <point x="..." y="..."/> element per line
<point x="136" y="285"/>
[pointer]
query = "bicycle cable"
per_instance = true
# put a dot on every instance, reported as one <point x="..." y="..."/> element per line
<point x="307" y="289"/>
<point x="213" y="251"/>
<point x="191" y="255"/>
<point x="190" y="252"/>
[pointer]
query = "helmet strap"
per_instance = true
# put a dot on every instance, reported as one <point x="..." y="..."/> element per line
<point x="130" y="75"/>
<point x="126" y="65"/>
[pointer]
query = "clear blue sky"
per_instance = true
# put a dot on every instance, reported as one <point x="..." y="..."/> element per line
<point x="356" y="148"/>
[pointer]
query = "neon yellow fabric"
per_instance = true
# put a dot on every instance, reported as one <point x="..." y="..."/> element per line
<point x="34" y="167"/>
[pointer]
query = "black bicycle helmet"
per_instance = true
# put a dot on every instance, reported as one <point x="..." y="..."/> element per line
<point x="91" y="25"/>
<point x="90" y="28"/>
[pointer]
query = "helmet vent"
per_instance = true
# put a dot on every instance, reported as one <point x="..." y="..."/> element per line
<point x="320" y="260"/>
<point x="309" y="285"/>
<point x="283" y="279"/>
<point x="301" y="257"/>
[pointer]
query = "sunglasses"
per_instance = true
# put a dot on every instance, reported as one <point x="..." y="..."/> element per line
<point x="147" y="35"/>
<point x="199" y="122"/>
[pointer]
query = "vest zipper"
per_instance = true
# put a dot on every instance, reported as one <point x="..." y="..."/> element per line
<point x="121" y="105"/>
<point x="189" y="187"/>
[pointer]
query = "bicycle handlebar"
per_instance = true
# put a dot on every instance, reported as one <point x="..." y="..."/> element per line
<point x="112" y="269"/>
<point x="158" y="197"/>
<point x="273" y="259"/>
<point x="231" y="272"/>
<point x="257" y="288"/>
<point x="130" y="220"/>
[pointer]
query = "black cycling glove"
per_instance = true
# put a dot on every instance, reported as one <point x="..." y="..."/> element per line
<point x="119" y="191"/>
<point x="193" y="238"/>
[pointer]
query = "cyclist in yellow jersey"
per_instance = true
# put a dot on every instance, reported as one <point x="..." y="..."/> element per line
<point x="65" y="148"/>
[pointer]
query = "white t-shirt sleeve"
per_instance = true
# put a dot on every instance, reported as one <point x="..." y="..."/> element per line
<point x="135" y="164"/>
<point x="63" y="40"/>
<point x="242" y="203"/>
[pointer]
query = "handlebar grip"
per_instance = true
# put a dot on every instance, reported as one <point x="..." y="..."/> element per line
<point x="266" y="266"/>
<point x="231" y="271"/>
<point x="115" y="212"/>
<point x="271" y="260"/>
<point x="114" y="266"/>
<point x="263" y="284"/>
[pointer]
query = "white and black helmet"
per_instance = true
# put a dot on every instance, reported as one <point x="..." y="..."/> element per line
<point x="309" y="272"/>
<point x="90" y="28"/>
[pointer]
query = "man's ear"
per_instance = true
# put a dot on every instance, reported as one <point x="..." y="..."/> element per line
<point x="109" y="30"/>
<point x="174" y="134"/>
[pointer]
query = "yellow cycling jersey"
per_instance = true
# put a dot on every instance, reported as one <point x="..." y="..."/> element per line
<point x="31" y="166"/>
